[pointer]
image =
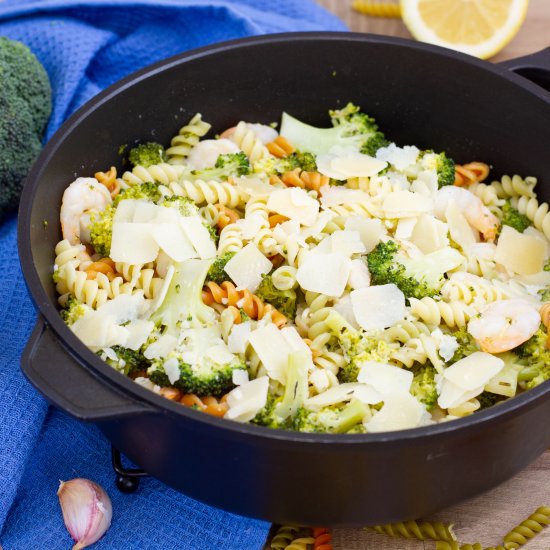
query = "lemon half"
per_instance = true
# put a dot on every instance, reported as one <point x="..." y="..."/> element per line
<point x="477" y="27"/>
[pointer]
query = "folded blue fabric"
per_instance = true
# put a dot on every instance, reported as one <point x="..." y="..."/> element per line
<point x="86" y="46"/>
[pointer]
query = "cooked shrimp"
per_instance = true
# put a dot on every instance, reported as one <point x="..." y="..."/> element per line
<point x="477" y="214"/>
<point x="264" y="132"/>
<point x="82" y="196"/>
<point x="504" y="325"/>
<point x="206" y="153"/>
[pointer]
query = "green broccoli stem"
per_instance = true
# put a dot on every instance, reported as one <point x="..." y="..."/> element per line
<point x="351" y="414"/>
<point x="296" y="389"/>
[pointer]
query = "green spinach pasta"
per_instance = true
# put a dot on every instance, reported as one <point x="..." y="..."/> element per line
<point x="310" y="279"/>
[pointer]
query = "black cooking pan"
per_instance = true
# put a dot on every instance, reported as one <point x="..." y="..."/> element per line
<point x="420" y="94"/>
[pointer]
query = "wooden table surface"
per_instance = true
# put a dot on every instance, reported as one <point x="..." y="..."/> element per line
<point x="533" y="36"/>
<point x="487" y="517"/>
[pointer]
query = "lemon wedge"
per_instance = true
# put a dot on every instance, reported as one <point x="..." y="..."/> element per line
<point x="477" y="27"/>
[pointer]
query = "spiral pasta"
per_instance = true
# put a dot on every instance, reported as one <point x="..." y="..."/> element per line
<point x="65" y="252"/>
<point x="188" y="136"/>
<point x="514" y="186"/>
<point x="404" y="331"/>
<point x="301" y="543"/>
<point x="421" y="530"/>
<point x="473" y="289"/>
<point x="283" y="537"/>
<point x="162" y="173"/>
<point x="323" y="538"/>
<point x="377" y="8"/>
<point x="231" y="239"/>
<point x="453" y="314"/>
<point x="109" y="180"/>
<point x="487" y="193"/>
<point x="468" y="174"/>
<point x="280" y="147"/>
<point x="410" y="353"/>
<point x="535" y="211"/>
<point x="225" y="216"/>
<point x="445" y="545"/>
<point x="249" y="142"/>
<point x="77" y="283"/>
<point x="527" y="529"/>
<point x="141" y="277"/>
<point x="227" y="295"/>
<point x="301" y="178"/>
<point x="284" y="277"/>
<point x="208" y="192"/>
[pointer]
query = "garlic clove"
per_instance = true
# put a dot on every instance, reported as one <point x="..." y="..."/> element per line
<point x="87" y="510"/>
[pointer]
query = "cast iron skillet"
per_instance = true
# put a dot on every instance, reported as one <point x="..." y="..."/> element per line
<point x="420" y="94"/>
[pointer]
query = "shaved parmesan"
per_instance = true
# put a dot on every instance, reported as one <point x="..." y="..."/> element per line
<point x="264" y="132"/>
<point x="246" y="401"/>
<point x="399" y="412"/>
<point x="332" y="195"/>
<point x="344" y="307"/>
<point x="247" y="267"/>
<point x="272" y="349"/>
<point x="371" y="230"/>
<point x="429" y="234"/>
<point x="238" y="338"/>
<point x="199" y="236"/>
<point x="319" y="379"/>
<point x="346" y="242"/>
<point x="385" y="379"/>
<point x="474" y="371"/>
<point x="138" y="333"/>
<point x="133" y="243"/>
<point x="400" y="157"/>
<point x="161" y="347"/>
<point x="239" y="377"/>
<point x="254" y="186"/>
<point x="359" y="276"/>
<point x="405" y="228"/>
<point x="124" y="307"/>
<point x="461" y="231"/>
<point x="344" y="164"/>
<point x="452" y="396"/>
<point x="405" y="204"/>
<point x="344" y="392"/>
<point x="294" y="203"/>
<point x="250" y="225"/>
<point x="99" y="331"/>
<point x="125" y="210"/>
<point x="378" y="307"/>
<point x="172" y="369"/>
<point x="324" y="273"/>
<point x="520" y="253"/>
<point x="173" y="241"/>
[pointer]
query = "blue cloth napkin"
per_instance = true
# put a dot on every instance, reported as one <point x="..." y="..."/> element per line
<point x="86" y="46"/>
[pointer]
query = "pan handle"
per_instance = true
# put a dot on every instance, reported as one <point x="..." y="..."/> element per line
<point x="534" y="67"/>
<point x="67" y="385"/>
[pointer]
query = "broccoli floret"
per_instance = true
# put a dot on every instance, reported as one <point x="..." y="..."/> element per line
<point x="488" y="399"/>
<point x="73" y="310"/>
<point x="535" y="355"/>
<point x="183" y="300"/>
<point x="147" y="154"/>
<point x="200" y="372"/>
<point x="232" y="164"/>
<point x="442" y="164"/>
<point x="205" y="378"/>
<point x="416" y="278"/>
<point x="101" y="230"/>
<point x="424" y="387"/>
<point x="544" y="294"/>
<point x="128" y="361"/>
<point x="356" y="345"/>
<point x="217" y="272"/>
<point x="466" y="342"/>
<point x="283" y="300"/>
<point x="267" y="417"/>
<point x="144" y="191"/>
<point x="332" y="419"/>
<point x="351" y="128"/>
<point x="513" y="218"/>
<point x="304" y="161"/>
<point x="25" y="106"/>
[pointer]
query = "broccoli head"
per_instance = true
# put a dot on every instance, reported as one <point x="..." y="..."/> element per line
<point x="442" y="164"/>
<point x="203" y="379"/>
<point x="424" y="386"/>
<point x="217" y="272"/>
<point x="231" y="164"/>
<point x="101" y="230"/>
<point x="332" y="419"/>
<point x="128" y="361"/>
<point x="25" y="106"/>
<point x="544" y="294"/>
<point x="283" y="300"/>
<point x="535" y="355"/>
<point x="272" y="165"/>
<point x="356" y="345"/>
<point x="351" y="128"/>
<point x="416" y="278"/>
<point x="466" y="342"/>
<point x="73" y="310"/>
<point x="185" y="205"/>
<point x="147" y="154"/>
<point x="513" y="218"/>
<point x="488" y="399"/>
<point x="144" y="191"/>
<point x="268" y="418"/>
